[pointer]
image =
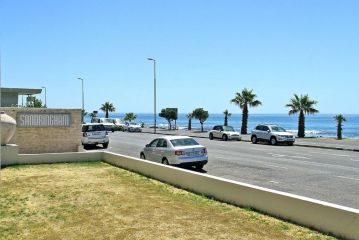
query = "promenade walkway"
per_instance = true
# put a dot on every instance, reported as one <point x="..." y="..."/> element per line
<point x="327" y="143"/>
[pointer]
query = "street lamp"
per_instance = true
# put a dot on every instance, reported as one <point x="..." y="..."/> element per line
<point x="45" y="96"/>
<point x="83" y="101"/>
<point x="154" y="91"/>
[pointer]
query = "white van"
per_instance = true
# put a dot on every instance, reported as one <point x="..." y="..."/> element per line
<point x="110" y="124"/>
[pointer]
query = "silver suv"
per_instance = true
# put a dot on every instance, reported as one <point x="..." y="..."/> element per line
<point x="271" y="133"/>
<point x="93" y="134"/>
<point x="224" y="132"/>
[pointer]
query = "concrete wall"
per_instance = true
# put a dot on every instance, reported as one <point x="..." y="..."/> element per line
<point x="325" y="217"/>
<point x="47" y="158"/>
<point x="9" y="155"/>
<point x="33" y="140"/>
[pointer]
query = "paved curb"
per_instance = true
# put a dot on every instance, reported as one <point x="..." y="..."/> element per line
<point x="296" y="144"/>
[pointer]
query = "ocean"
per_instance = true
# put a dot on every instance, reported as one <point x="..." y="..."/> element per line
<point x="319" y="125"/>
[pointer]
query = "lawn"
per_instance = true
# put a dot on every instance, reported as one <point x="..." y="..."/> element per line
<point x="99" y="201"/>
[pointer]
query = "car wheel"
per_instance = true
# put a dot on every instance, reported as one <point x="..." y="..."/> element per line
<point x="210" y="136"/>
<point x="105" y="145"/>
<point x="165" y="161"/>
<point x="254" y="139"/>
<point x="224" y="137"/>
<point x="142" y="155"/>
<point x="199" y="166"/>
<point x="273" y="141"/>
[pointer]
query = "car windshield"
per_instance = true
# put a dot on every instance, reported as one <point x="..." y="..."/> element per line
<point x="277" y="129"/>
<point x="228" y="128"/>
<point x="184" y="142"/>
<point x="93" y="128"/>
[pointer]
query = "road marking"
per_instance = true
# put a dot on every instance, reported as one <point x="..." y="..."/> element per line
<point x="357" y="179"/>
<point x="301" y="157"/>
<point x="281" y="156"/>
<point x="341" y="155"/>
<point x="274" y="182"/>
<point x="275" y="166"/>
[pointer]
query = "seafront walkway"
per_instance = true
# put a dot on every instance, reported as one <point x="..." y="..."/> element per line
<point x="316" y="142"/>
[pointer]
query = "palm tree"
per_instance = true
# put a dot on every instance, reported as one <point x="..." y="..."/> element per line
<point x="245" y="99"/>
<point x="130" y="116"/>
<point x="340" y="119"/>
<point x="226" y="115"/>
<point x="107" y="107"/>
<point x="303" y="105"/>
<point x="189" y="116"/>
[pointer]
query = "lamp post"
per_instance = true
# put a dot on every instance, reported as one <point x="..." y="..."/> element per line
<point x="45" y="97"/>
<point x="154" y="91"/>
<point x="83" y="100"/>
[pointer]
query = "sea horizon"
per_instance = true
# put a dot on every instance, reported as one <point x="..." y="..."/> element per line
<point x="318" y="125"/>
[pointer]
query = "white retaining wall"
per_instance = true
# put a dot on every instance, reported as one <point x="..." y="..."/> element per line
<point x="325" y="217"/>
<point x="24" y="159"/>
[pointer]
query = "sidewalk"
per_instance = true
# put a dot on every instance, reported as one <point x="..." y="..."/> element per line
<point x="326" y="143"/>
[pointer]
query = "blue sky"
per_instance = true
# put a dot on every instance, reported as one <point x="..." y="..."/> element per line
<point x="206" y="51"/>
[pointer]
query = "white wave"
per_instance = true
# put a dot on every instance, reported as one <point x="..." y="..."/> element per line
<point x="308" y="132"/>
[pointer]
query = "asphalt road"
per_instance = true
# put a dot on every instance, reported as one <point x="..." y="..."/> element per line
<point x="323" y="174"/>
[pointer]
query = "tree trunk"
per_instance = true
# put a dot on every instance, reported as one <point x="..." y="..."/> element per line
<point x="169" y="124"/>
<point x="190" y="124"/>
<point x="301" y="125"/>
<point x="202" y="126"/>
<point x="339" y="130"/>
<point x="106" y="114"/>
<point x="225" y="120"/>
<point x="244" y="119"/>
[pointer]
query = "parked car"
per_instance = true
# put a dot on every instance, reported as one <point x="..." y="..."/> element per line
<point x="94" y="134"/>
<point x="271" y="133"/>
<point x="176" y="150"/>
<point x="133" y="127"/>
<point x="225" y="133"/>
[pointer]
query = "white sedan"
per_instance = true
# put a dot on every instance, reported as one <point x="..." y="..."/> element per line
<point x="176" y="150"/>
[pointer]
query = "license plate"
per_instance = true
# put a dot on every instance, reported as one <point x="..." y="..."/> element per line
<point x="192" y="153"/>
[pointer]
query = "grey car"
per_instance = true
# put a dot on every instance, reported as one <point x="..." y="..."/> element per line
<point x="176" y="150"/>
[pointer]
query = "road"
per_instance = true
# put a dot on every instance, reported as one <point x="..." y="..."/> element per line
<point x="323" y="174"/>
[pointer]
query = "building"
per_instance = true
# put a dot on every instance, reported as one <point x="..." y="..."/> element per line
<point x="10" y="96"/>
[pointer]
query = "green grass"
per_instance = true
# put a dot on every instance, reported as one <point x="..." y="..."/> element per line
<point x="99" y="201"/>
